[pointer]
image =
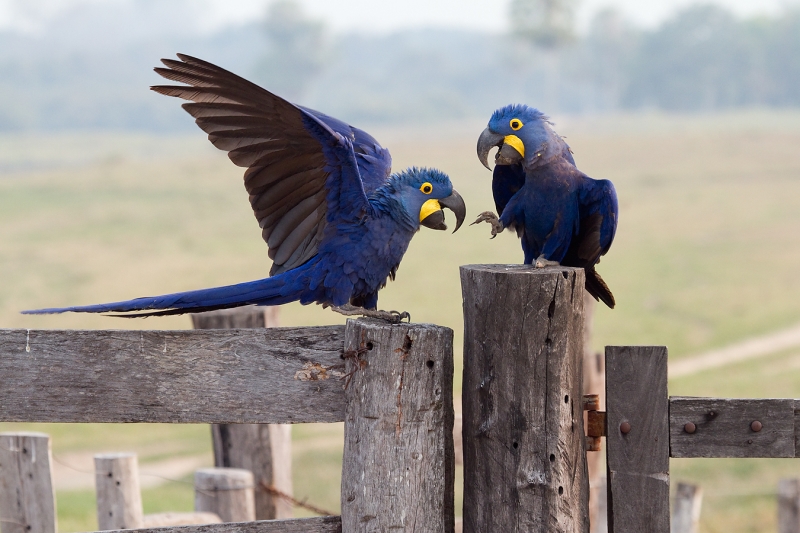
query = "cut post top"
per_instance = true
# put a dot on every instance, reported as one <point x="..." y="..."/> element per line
<point x="518" y="269"/>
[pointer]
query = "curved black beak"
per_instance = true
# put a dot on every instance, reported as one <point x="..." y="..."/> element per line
<point x="455" y="203"/>
<point x="486" y="142"/>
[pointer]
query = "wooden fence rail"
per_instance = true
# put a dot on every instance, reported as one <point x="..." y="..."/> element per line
<point x="272" y="375"/>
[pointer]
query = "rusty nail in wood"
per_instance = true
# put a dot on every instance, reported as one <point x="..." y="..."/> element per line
<point x="625" y="428"/>
<point x="689" y="427"/>
<point x="756" y="426"/>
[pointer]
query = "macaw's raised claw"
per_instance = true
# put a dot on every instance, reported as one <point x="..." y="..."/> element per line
<point x="393" y="317"/>
<point x="491" y="218"/>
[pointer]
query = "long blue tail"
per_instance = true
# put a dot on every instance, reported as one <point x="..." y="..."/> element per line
<point x="275" y="290"/>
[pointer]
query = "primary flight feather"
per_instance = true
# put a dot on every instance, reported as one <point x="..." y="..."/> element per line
<point x="336" y="220"/>
<point x="561" y="215"/>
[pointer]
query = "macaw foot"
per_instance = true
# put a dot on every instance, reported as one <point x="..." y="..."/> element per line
<point x="393" y="317"/>
<point x="541" y="262"/>
<point x="491" y="218"/>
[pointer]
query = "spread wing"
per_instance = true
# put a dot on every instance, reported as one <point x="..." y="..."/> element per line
<point x="304" y="169"/>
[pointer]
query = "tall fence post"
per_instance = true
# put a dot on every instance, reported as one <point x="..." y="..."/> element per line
<point x="227" y="492"/>
<point x="263" y="449"/>
<point x="686" y="508"/>
<point x="789" y="506"/>
<point x="398" y="471"/>
<point x="637" y="440"/>
<point x="27" y="499"/>
<point x="119" y="497"/>
<point x="524" y="445"/>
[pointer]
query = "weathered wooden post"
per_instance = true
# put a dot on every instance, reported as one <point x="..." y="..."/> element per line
<point x="789" y="506"/>
<point x="637" y="440"/>
<point x="686" y="508"/>
<point x="263" y="449"/>
<point x="398" y="431"/>
<point x="227" y="492"/>
<point x="524" y="445"/>
<point x="119" y="497"/>
<point x="27" y="499"/>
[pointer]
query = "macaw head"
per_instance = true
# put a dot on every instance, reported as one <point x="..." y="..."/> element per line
<point x="423" y="192"/>
<point x="523" y="135"/>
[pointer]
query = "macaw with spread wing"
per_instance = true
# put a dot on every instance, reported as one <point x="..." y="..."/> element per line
<point x="561" y="215"/>
<point x="336" y="220"/>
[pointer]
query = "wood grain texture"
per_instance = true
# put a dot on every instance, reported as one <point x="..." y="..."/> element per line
<point x="789" y="506"/>
<point x="324" y="524"/>
<point x="27" y="498"/>
<point x="797" y="428"/>
<point x="398" y="471"/>
<point x="273" y="375"/>
<point x="180" y="519"/>
<point x="263" y="449"/>
<point x="524" y="447"/>
<point x="723" y="427"/>
<point x="686" y="508"/>
<point x="226" y="492"/>
<point x="637" y="462"/>
<point x="119" y="498"/>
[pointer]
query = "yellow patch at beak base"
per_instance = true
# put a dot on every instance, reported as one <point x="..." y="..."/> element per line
<point x="516" y="143"/>
<point x="431" y="206"/>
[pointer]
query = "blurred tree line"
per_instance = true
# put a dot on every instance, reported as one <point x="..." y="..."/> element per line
<point x="91" y="67"/>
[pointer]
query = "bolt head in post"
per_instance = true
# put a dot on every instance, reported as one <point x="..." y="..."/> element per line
<point x="756" y="426"/>
<point x="625" y="428"/>
<point x="690" y="427"/>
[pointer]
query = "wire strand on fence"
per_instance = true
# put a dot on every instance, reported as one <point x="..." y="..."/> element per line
<point x="297" y="503"/>
<point x="261" y="486"/>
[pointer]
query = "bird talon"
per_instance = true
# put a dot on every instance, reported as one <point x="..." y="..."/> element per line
<point x="541" y="262"/>
<point x="393" y="317"/>
<point x="491" y="218"/>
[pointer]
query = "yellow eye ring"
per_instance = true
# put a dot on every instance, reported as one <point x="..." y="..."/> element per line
<point x="515" y="124"/>
<point x="426" y="187"/>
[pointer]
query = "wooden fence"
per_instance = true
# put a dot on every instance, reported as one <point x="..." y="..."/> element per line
<point x="524" y="437"/>
<point x="391" y="385"/>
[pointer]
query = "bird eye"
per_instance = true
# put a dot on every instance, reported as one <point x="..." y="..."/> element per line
<point x="515" y="124"/>
<point x="427" y="188"/>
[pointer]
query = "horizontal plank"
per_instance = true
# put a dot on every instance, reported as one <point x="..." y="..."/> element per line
<point x="323" y="524"/>
<point x="267" y="375"/>
<point x="723" y="427"/>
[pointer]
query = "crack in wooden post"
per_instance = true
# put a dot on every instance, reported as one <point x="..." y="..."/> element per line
<point x="524" y="442"/>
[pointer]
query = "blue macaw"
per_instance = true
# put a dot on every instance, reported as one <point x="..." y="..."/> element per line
<point x="561" y="215"/>
<point x="336" y="220"/>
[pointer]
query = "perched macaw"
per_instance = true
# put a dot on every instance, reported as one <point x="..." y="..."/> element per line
<point x="561" y="215"/>
<point x="336" y="220"/>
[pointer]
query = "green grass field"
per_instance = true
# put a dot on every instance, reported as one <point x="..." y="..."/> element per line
<point x="706" y="254"/>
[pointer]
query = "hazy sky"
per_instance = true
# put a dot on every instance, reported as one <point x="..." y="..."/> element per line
<point x="386" y="15"/>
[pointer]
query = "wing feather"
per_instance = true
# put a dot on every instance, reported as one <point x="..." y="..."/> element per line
<point x="302" y="165"/>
